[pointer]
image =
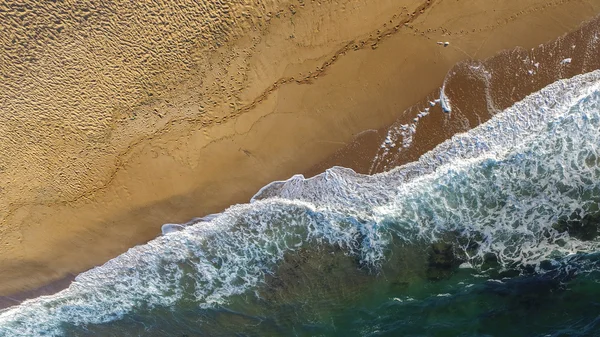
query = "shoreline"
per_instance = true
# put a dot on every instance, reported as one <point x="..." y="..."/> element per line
<point x="475" y="100"/>
<point x="173" y="163"/>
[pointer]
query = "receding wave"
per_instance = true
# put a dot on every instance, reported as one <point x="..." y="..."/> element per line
<point x="514" y="193"/>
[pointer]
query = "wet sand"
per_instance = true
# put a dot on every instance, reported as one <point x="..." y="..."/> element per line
<point x="109" y="135"/>
<point x="478" y="89"/>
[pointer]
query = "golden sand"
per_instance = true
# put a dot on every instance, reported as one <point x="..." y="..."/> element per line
<point x="477" y="90"/>
<point x="119" y="119"/>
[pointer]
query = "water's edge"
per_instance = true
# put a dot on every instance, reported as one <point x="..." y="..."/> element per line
<point x="359" y="222"/>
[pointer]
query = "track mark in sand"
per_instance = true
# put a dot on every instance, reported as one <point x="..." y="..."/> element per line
<point x="397" y="23"/>
<point x="490" y="27"/>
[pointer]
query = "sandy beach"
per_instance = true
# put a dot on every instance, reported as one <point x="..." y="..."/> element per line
<point x="118" y="120"/>
<point x="478" y="90"/>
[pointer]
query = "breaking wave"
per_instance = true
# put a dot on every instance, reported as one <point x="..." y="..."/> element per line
<point x="509" y="190"/>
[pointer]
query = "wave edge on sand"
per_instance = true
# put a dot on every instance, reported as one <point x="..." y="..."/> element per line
<point x="208" y="262"/>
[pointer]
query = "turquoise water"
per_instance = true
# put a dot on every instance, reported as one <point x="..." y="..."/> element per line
<point x="493" y="233"/>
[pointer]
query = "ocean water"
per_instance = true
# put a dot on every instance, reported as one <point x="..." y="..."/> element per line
<point x="493" y="233"/>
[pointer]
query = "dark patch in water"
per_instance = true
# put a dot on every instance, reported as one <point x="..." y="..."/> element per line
<point x="442" y="261"/>
<point x="583" y="228"/>
<point x="297" y="275"/>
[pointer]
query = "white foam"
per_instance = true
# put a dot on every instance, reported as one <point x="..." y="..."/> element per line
<point x="171" y="228"/>
<point x="473" y="183"/>
<point x="444" y="100"/>
<point x="504" y="130"/>
<point x="508" y="137"/>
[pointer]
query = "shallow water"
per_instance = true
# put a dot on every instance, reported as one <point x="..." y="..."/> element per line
<point x="493" y="233"/>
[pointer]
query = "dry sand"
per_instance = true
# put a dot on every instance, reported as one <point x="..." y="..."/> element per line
<point x="119" y="119"/>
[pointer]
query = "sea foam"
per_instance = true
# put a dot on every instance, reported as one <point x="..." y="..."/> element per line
<point x="500" y="184"/>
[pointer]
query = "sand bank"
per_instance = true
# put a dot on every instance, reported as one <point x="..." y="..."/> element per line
<point x="120" y="119"/>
